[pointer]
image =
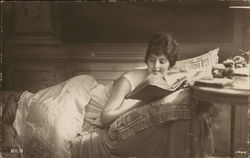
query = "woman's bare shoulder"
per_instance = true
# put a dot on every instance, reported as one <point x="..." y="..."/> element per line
<point x="137" y="71"/>
<point x="135" y="76"/>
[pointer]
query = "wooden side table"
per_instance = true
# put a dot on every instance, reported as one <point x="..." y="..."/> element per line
<point x="231" y="97"/>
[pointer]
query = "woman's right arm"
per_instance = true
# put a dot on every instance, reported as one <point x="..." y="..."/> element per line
<point x="115" y="107"/>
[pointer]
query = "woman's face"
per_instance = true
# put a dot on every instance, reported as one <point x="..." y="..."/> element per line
<point x="157" y="64"/>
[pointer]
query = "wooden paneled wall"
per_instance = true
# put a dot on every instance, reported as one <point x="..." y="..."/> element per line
<point x="37" y="56"/>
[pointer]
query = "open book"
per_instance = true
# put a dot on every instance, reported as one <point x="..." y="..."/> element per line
<point x="156" y="86"/>
<point x="187" y="71"/>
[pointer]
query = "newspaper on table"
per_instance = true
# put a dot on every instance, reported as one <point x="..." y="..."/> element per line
<point x="199" y="62"/>
<point x="200" y="66"/>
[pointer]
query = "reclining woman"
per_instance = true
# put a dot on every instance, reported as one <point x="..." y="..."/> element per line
<point x="72" y="119"/>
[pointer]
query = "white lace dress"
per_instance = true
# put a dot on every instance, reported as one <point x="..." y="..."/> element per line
<point x="49" y="120"/>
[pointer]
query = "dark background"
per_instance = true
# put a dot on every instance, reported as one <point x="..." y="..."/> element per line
<point x="135" y="22"/>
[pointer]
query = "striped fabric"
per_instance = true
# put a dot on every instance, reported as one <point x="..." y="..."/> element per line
<point x="147" y="116"/>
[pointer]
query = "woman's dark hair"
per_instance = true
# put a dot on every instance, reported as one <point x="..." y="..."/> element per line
<point x="163" y="43"/>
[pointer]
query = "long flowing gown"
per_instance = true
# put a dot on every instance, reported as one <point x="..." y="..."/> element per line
<point x="47" y="121"/>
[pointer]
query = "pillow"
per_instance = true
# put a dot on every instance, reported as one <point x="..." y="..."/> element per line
<point x="9" y="112"/>
<point x="170" y="108"/>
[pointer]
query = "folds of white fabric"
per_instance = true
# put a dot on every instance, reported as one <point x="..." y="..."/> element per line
<point x="47" y="121"/>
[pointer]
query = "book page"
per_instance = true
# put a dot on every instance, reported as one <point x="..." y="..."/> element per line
<point x="155" y="86"/>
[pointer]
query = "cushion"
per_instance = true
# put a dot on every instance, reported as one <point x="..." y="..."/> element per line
<point x="8" y="105"/>
<point x="170" y="108"/>
<point x="9" y="112"/>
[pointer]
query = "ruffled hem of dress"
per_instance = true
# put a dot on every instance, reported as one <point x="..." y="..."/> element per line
<point x="19" y="123"/>
<point x="22" y="98"/>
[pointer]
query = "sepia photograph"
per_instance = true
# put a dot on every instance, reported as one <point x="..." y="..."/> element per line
<point x="125" y="79"/>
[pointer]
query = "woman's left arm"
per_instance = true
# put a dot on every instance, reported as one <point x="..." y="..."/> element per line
<point x="115" y="107"/>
